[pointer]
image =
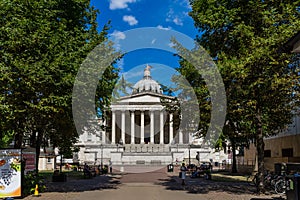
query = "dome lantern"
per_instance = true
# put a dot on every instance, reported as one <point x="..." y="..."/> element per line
<point x="147" y="84"/>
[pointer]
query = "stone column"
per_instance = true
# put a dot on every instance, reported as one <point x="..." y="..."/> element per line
<point x="142" y="127"/>
<point x="171" y="128"/>
<point x="180" y="137"/>
<point x="132" y="126"/>
<point x="123" y="126"/>
<point x="113" y="127"/>
<point x="161" y="132"/>
<point x="151" y="126"/>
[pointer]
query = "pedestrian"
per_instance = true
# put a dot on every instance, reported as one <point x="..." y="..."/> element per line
<point x="110" y="166"/>
<point x="86" y="171"/>
<point x="183" y="170"/>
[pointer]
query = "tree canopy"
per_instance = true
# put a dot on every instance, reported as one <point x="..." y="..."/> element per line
<point x="43" y="44"/>
<point x="262" y="86"/>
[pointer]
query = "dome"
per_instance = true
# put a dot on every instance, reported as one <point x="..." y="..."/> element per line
<point x="147" y="84"/>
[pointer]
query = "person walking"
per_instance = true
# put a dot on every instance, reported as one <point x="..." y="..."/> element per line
<point x="110" y="167"/>
<point x="183" y="170"/>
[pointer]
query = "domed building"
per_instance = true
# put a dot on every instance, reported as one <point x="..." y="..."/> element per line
<point x="140" y="131"/>
<point x="147" y="84"/>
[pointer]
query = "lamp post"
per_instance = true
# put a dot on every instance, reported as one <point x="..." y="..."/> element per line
<point x="101" y="148"/>
<point x="189" y="154"/>
<point x="101" y="151"/>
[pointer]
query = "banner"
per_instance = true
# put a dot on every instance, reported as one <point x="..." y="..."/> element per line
<point x="29" y="158"/>
<point x="10" y="173"/>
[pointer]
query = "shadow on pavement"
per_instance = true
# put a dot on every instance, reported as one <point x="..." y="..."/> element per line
<point x="202" y="186"/>
<point x="80" y="185"/>
<point x="275" y="198"/>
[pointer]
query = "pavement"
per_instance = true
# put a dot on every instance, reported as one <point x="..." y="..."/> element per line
<point x="154" y="185"/>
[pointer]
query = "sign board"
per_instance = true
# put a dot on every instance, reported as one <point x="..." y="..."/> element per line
<point x="10" y="173"/>
<point x="29" y="158"/>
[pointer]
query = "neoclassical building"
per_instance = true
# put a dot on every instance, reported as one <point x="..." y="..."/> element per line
<point x="140" y="130"/>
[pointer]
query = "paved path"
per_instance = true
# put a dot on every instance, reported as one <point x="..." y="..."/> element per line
<point x="157" y="185"/>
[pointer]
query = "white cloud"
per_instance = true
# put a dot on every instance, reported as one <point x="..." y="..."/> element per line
<point x="119" y="4"/>
<point x="164" y="28"/>
<point x="130" y="20"/>
<point x="118" y="35"/>
<point x="177" y="21"/>
<point x="170" y="15"/>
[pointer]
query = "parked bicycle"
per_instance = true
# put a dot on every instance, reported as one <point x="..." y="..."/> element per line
<point x="252" y="179"/>
<point x="280" y="186"/>
<point x="271" y="182"/>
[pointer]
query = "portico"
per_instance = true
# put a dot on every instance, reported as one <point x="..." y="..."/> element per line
<point x="150" y="124"/>
<point x="141" y="118"/>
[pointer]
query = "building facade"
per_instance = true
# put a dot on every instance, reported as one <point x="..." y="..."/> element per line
<point x="139" y="130"/>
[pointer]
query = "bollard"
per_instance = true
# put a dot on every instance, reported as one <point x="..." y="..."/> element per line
<point x="36" y="191"/>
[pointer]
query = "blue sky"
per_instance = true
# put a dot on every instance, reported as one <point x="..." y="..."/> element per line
<point x="131" y="14"/>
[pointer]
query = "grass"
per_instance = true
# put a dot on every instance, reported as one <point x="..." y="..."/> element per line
<point x="228" y="178"/>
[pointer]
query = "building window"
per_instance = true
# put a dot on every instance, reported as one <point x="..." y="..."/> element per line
<point x="287" y="152"/>
<point x="267" y="153"/>
<point x="49" y="160"/>
<point x="89" y="137"/>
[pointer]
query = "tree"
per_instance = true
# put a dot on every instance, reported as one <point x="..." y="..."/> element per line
<point x="244" y="38"/>
<point x="43" y="44"/>
<point x="122" y="87"/>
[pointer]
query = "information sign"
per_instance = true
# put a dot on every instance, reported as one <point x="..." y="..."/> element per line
<point x="10" y="173"/>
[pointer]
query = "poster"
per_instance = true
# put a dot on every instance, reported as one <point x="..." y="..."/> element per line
<point x="29" y="158"/>
<point x="10" y="173"/>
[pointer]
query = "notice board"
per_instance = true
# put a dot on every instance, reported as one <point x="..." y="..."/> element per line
<point x="10" y="173"/>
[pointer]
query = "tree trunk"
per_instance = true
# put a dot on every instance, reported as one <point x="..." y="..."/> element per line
<point x="233" y="168"/>
<point x="38" y="149"/>
<point x="61" y="160"/>
<point x="18" y="140"/>
<point x="260" y="146"/>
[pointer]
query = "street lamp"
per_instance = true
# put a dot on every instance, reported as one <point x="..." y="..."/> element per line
<point x="189" y="154"/>
<point x="101" y="151"/>
<point x="101" y="148"/>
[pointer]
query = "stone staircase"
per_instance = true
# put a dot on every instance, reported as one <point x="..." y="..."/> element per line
<point x="147" y="148"/>
<point x="146" y="154"/>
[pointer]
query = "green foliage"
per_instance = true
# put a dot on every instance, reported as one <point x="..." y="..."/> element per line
<point x="262" y="86"/>
<point x="245" y="37"/>
<point x="122" y="88"/>
<point x="43" y="44"/>
<point x="30" y="181"/>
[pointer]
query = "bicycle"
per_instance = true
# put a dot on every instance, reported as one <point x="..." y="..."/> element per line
<point x="252" y="179"/>
<point x="280" y="186"/>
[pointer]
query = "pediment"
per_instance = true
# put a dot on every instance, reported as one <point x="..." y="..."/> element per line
<point x="147" y="97"/>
